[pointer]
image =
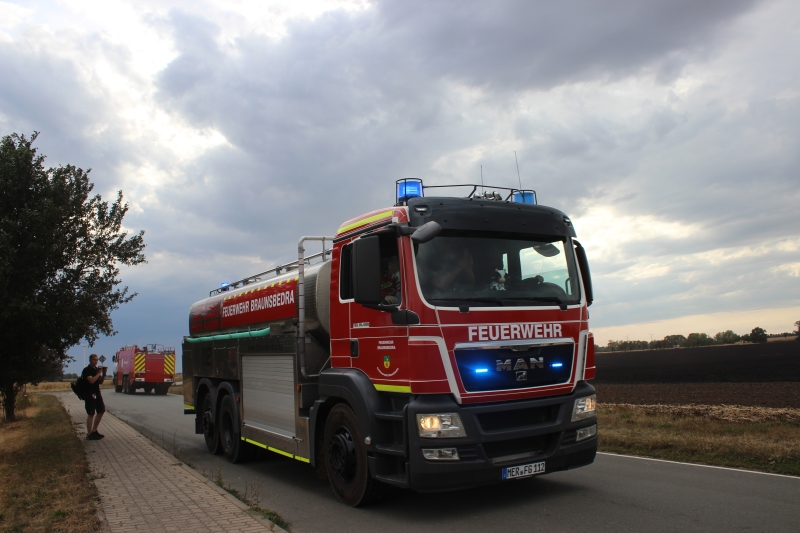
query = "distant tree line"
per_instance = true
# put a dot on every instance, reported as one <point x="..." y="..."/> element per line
<point x="694" y="340"/>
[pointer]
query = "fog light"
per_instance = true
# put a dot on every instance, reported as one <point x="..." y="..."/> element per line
<point x="440" y="454"/>
<point x="585" y="433"/>
<point x="584" y="408"/>
<point x="446" y="426"/>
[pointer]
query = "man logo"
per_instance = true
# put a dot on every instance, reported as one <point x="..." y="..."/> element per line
<point x="522" y="376"/>
<point x="520" y="364"/>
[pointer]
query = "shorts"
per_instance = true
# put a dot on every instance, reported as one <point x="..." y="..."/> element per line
<point x="95" y="404"/>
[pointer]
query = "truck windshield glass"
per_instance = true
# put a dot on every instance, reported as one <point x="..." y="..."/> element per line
<point x="477" y="269"/>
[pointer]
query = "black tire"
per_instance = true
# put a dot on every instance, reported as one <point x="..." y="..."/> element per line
<point x="148" y="390"/>
<point x="235" y="449"/>
<point x="161" y="390"/>
<point x="346" y="460"/>
<point x="117" y="388"/>
<point x="128" y="386"/>
<point x="210" y="434"/>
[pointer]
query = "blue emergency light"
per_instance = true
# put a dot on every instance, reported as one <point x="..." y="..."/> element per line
<point x="224" y="286"/>
<point x="557" y="365"/>
<point x="525" y="197"/>
<point x="408" y="189"/>
<point x="481" y="370"/>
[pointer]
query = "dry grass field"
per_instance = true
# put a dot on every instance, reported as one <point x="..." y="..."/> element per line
<point x="44" y="477"/>
<point x="60" y="386"/>
<point x="758" y="438"/>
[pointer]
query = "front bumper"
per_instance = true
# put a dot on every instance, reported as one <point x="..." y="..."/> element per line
<point x="498" y="436"/>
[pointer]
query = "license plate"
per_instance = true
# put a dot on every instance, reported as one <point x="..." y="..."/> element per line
<point x="513" y="472"/>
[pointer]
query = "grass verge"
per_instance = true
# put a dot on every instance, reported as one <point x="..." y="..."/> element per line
<point x="251" y="497"/>
<point x="755" y="438"/>
<point x="44" y="475"/>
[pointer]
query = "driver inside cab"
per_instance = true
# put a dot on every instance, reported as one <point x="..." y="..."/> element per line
<point x="454" y="268"/>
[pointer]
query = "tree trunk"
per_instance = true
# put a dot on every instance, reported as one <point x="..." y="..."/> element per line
<point x="10" y="401"/>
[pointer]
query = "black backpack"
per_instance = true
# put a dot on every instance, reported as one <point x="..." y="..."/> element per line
<point x="79" y="388"/>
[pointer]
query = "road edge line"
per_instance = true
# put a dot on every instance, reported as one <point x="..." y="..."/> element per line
<point x="743" y="470"/>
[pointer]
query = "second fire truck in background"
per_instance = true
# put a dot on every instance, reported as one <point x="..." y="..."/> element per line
<point x="151" y="368"/>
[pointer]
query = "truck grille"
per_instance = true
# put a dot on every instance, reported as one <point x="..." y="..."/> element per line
<point x="514" y="449"/>
<point x="518" y="418"/>
<point x="502" y="368"/>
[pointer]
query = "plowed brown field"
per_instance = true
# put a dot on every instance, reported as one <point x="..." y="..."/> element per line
<point x="780" y="394"/>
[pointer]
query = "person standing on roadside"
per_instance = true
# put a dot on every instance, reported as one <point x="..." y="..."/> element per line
<point x="95" y="407"/>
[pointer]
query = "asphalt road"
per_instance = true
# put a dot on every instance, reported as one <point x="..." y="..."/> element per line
<point x="614" y="494"/>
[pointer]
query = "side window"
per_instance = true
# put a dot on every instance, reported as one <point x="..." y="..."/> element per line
<point x="345" y="273"/>
<point x="391" y="293"/>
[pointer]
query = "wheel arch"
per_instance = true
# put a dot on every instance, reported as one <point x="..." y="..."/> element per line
<point x="352" y="387"/>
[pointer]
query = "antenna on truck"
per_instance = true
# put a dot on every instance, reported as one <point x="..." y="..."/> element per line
<point x="518" y="176"/>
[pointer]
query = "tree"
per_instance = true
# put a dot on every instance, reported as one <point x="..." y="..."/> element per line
<point x="675" y="340"/>
<point x="698" y="339"/>
<point x="727" y="337"/>
<point x="797" y="325"/>
<point x="60" y="252"/>
<point x="758" y="335"/>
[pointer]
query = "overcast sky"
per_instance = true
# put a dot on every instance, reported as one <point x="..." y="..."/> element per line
<point x="668" y="131"/>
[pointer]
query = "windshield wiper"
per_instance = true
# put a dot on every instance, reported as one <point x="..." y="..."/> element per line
<point x="497" y="301"/>
<point x="555" y="299"/>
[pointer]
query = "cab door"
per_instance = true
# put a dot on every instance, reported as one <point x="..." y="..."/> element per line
<point x="382" y="345"/>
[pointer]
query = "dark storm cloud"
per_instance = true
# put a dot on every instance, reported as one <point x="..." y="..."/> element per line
<point x="525" y="45"/>
<point x="363" y="99"/>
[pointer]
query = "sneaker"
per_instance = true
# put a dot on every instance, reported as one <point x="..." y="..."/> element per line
<point x="98" y="436"/>
<point x="93" y="436"/>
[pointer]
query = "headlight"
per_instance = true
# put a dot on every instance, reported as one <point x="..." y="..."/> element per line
<point x="440" y="426"/>
<point x="584" y="408"/>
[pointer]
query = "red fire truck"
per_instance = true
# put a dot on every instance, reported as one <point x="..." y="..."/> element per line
<point x="437" y="344"/>
<point x="151" y="368"/>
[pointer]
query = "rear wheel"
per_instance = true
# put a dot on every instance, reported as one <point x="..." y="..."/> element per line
<point x="148" y="390"/>
<point x="128" y="386"/>
<point x="346" y="460"/>
<point x="236" y="450"/>
<point x="161" y="390"/>
<point x="209" y="427"/>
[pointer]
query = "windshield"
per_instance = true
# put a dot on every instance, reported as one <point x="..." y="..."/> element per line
<point x="490" y="269"/>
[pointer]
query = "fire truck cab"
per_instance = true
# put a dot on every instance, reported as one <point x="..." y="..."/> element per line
<point x="440" y="343"/>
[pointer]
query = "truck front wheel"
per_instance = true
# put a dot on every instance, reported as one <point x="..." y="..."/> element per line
<point x="346" y="459"/>
<point x="209" y="427"/>
<point x="230" y="435"/>
<point x="117" y="388"/>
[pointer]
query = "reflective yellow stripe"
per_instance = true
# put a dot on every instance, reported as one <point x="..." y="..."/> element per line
<point x="364" y="221"/>
<point x="276" y="450"/>
<point x="393" y="388"/>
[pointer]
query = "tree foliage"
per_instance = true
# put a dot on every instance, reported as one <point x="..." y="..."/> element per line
<point x="60" y="253"/>
<point x="726" y="337"/>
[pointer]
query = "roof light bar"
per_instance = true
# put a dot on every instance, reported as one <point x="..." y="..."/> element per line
<point x="408" y="189"/>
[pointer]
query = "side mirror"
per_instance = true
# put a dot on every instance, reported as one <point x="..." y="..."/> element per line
<point x="366" y="271"/>
<point x="113" y="358"/>
<point x="426" y="232"/>
<point x="583" y="265"/>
